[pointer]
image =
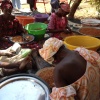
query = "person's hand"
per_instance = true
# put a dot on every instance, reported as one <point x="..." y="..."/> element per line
<point x="17" y="64"/>
<point x="67" y="31"/>
<point x="5" y="38"/>
<point x="8" y="65"/>
<point x="25" y="31"/>
<point x="11" y="68"/>
<point x="24" y="62"/>
<point x="47" y="31"/>
<point x="34" y="53"/>
<point x="6" y="53"/>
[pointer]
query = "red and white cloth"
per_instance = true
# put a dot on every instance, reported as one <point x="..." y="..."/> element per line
<point x="88" y="86"/>
<point x="50" y="47"/>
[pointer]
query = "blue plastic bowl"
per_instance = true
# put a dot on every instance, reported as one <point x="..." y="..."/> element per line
<point x="41" y="17"/>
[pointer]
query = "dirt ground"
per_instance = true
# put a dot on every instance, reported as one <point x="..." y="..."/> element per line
<point x="85" y="10"/>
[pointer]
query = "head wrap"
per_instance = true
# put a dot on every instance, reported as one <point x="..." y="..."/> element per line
<point x="65" y="7"/>
<point x="6" y="4"/>
<point x="50" y="47"/>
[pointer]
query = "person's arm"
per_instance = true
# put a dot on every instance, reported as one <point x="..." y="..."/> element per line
<point x="19" y="65"/>
<point x="65" y="93"/>
<point x="19" y="27"/>
<point x="63" y="73"/>
<point x="68" y="30"/>
<point x="40" y="62"/>
<point x="7" y="65"/>
<point x="1" y="27"/>
<point x="52" y="25"/>
<point x="62" y="89"/>
<point x="58" y="78"/>
<point x="54" y="31"/>
<point x="6" y="53"/>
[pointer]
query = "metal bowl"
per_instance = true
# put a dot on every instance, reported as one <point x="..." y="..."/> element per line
<point x="32" y="38"/>
<point x="23" y="87"/>
<point x="90" y="22"/>
<point x="90" y="34"/>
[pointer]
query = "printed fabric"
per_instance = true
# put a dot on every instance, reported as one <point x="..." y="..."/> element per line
<point x="88" y="86"/>
<point x="50" y="47"/>
<point x="57" y="22"/>
<point x="10" y="28"/>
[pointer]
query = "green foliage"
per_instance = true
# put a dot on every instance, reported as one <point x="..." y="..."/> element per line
<point x="96" y="3"/>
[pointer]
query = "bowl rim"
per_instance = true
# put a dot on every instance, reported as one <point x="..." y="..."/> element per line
<point x="86" y="34"/>
<point x="27" y="77"/>
<point x="24" y="16"/>
<point x="90" y="21"/>
<point x="10" y="39"/>
<point x="90" y="47"/>
<point x="36" y="23"/>
<point x="36" y="16"/>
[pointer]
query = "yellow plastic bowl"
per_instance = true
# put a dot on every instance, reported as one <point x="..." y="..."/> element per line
<point x="91" y="43"/>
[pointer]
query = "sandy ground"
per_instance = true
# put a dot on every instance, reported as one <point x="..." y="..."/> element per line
<point x="40" y="7"/>
<point x="85" y="10"/>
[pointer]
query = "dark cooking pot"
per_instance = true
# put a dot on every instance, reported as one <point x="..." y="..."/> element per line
<point x="23" y="87"/>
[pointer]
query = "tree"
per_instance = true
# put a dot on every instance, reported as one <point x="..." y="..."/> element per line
<point x="96" y="4"/>
<point x="74" y="8"/>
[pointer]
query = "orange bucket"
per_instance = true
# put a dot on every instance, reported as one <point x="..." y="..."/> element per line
<point x="24" y="20"/>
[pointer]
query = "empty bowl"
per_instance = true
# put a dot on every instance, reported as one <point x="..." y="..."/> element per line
<point x="72" y="42"/>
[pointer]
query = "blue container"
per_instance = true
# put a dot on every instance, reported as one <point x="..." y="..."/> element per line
<point x="41" y="17"/>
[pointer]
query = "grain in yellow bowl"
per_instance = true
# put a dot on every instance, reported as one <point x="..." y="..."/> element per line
<point x="91" y="43"/>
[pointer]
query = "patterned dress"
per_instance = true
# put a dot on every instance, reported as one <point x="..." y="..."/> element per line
<point x="57" y="22"/>
<point x="10" y="28"/>
<point x="88" y="86"/>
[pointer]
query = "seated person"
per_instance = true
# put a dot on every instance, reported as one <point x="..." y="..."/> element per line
<point x="58" y="21"/>
<point x="6" y="64"/>
<point x="9" y="25"/>
<point x="77" y="75"/>
<point x="7" y="68"/>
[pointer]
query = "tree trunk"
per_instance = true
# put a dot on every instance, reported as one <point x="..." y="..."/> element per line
<point x="74" y="8"/>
